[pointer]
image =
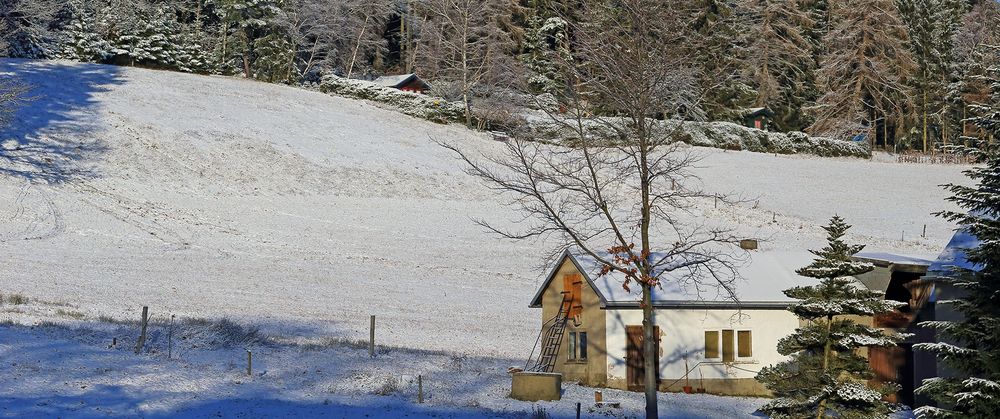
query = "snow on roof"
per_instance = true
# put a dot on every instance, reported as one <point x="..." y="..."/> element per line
<point x="395" y="80"/>
<point x="953" y="255"/>
<point x="893" y="258"/>
<point x="760" y="283"/>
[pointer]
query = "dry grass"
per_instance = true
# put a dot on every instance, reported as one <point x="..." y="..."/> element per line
<point x="390" y="386"/>
<point x="16" y="299"/>
<point x="71" y="314"/>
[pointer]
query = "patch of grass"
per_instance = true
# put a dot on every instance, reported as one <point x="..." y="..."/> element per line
<point x="538" y="412"/>
<point x="335" y="342"/>
<point x="17" y="299"/>
<point x="390" y="386"/>
<point x="71" y="314"/>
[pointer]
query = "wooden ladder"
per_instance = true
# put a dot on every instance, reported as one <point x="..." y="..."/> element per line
<point x="550" y="339"/>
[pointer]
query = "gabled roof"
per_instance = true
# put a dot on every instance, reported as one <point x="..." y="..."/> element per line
<point x="762" y="280"/>
<point x="953" y="255"/>
<point x="752" y="112"/>
<point x="399" y="80"/>
<point x="885" y="259"/>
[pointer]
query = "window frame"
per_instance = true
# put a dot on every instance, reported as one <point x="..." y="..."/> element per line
<point x="571" y="355"/>
<point x="720" y="348"/>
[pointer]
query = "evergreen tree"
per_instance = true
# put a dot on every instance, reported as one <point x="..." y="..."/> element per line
<point x="824" y="375"/>
<point x="244" y="21"/>
<point x="275" y="59"/>
<point x="81" y="39"/>
<point x="864" y="70"/>
<point x="931" y="25"/>
<point x="546" y="44"/>
<point x="718" y="38"/>
<point x="971" y="346"/>
<point x="781" y="58"/>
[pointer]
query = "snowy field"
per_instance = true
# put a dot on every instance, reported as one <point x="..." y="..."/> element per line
<point x="69" y="368"/>
<point x="302" y="213"/>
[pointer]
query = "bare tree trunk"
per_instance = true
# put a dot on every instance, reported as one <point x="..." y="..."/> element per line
<point x="649" y="346"/>
<point x="357" y="45"/>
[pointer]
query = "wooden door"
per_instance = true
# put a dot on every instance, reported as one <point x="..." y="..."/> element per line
<point x="635" y="361"/>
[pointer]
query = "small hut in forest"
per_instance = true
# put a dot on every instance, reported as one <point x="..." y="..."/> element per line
<point x="759" y="118"/>
<point x="405" y="82"/>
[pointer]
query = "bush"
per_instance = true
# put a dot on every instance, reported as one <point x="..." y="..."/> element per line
<point x="390" y="386"/>
<point x="413" y="104"/>
<point x="730" y="136"/>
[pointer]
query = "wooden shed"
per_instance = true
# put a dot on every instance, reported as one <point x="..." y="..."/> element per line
<point x="759" y="118"/>
<point x="405" y="82"/>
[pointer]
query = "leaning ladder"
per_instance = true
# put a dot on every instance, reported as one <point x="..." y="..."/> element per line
<point x="550" y="338"/>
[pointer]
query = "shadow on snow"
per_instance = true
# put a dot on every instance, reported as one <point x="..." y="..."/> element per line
<point x="55" y="134"/>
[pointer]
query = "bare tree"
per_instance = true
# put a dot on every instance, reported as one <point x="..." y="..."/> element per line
<point x="336" y="33"/>
<point x="781" y="51"/>
<point x="12" y="96"/>
<point x="865" y="69"/>
<point x="624" y="193"/>
<point x="461" y="42"/>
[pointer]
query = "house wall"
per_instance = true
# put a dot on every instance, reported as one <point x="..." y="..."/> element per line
<point x="682" y="347"/>
<point x="593" y="371"/>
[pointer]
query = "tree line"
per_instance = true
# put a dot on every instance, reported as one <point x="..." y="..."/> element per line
<point x="903" y="74"/>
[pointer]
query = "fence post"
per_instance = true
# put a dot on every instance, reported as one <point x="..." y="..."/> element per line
<point x="249" y="363"/>
<point x="371" y="338"/>
<point x="170" y="338"/>
<point x="420" y="389"/>
<point x="142" y="333"/>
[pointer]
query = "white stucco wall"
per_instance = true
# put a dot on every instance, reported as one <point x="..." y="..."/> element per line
<point x="683" y="337"/>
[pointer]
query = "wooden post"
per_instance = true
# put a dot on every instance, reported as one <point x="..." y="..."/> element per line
<point x="577" y="410"/>
<point x="420" y="389"/>
<point x="371" y="338"/>
<point x="249" y="363"/>
<point x="142" y="333"/>
<point x="925" y="232"/>
<point x="170" y="338"/>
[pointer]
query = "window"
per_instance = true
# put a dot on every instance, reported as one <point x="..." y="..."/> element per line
<point x="577" y="348"/>
<point x="728" y="345"/>
<point x="711" y="344"/>
<point x="572" y="346"/>
<point x="744" y="349"/>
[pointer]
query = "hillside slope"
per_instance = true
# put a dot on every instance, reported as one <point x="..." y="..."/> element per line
<point x="214" y="196"/>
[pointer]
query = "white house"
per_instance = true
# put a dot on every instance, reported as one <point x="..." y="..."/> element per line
<point x="707" y="341"/>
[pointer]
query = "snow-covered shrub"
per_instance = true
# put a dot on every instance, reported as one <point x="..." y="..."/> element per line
<point x="724" y="135"/>
<point x="413" y="104"/>
<point x="730" y="136"/>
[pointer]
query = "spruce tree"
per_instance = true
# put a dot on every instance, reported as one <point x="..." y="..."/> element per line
<point x="931" y="25"/>
<point x="781" y="59"/>
<point x="970" y="347"/>
<point x="81" y="39"/>
<point x="864" y="69"/>
<point x="824" y="375"/>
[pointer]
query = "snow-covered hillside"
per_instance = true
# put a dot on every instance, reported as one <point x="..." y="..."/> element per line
<point x="303" y="214"/>
<point x="212" y="196"/>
